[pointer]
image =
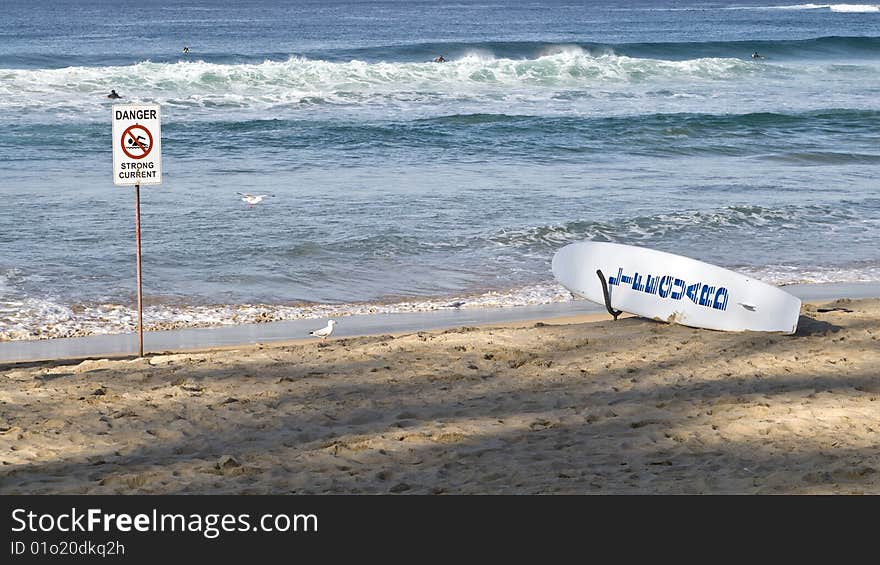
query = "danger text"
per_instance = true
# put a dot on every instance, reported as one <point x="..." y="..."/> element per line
<point x="136" y="114"/>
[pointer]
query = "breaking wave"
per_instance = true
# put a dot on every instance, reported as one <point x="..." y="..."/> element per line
<point x="304" y="81"/>
<point x="850" y="8"/>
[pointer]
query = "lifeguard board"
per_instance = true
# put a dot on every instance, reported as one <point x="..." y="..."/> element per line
<point x="674" y="289"/>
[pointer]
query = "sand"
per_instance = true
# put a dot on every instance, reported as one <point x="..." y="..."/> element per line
<point x="560" y="406"/>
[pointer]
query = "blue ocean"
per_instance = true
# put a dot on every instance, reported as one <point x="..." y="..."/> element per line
<point x="402" y="184"/>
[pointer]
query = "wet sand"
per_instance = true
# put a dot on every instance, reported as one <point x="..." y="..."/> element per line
<point x="566" y="405"/>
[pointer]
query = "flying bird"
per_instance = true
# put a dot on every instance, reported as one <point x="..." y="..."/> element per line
<point x="252" y="199"/>
<point x="324" y="332"/>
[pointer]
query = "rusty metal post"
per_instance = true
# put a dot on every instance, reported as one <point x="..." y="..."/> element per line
<point x="137" y="225"/>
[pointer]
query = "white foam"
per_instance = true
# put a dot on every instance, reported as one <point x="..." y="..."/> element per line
<point x="792" y="274"/>
<point x="78" y="91"/>
<point x="798" y="7"/>
<point x="44" y="319"/>
<point x="855" y="8"/>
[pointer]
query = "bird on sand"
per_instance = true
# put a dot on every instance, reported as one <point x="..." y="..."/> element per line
<point x="252" y="199"/>
<point x="324" y="332"/>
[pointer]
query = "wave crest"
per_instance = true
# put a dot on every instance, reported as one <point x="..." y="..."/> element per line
<point x="851" y="8"/>
<point x="300" y="80"/>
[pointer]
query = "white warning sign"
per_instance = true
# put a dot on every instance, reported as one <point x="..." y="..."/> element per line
<point x="137" y="144"/>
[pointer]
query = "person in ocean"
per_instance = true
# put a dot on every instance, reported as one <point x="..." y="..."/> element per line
<point x="113" y="95"/>
<point x="440" y="59"/>
<point x="186" y="48"/>
<point x="755" y="55"/>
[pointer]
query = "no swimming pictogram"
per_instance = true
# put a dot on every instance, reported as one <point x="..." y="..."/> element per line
<point x="137" y="141"/>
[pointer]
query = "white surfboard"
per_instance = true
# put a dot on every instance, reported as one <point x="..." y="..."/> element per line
<point x="674" y="289"/>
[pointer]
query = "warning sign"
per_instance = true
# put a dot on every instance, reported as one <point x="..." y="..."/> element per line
<point x="137" y="155"/>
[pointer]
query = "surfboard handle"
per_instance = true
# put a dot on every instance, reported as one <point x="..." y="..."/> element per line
<point x="607" y="296"/>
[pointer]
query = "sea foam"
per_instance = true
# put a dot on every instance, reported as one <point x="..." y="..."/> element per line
<point x="305" y="81"/>
<point x="853" y="8"/>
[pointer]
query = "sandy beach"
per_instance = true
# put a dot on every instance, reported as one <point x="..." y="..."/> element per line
<point x="568" y="405"/>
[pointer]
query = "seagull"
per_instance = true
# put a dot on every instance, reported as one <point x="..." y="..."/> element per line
<point x="324" y="332"/>
<point x="252" y="199"/>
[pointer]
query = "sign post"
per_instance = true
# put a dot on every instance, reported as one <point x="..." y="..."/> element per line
<point x="137" y="160"/>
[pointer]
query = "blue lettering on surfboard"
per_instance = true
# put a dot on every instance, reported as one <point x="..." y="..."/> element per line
<point x="673" y="288"/>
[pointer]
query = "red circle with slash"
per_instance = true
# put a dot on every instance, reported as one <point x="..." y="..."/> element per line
<point x="135" y="143"/>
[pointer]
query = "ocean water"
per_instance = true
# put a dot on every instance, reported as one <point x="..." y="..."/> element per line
<point x="401" y="184"/>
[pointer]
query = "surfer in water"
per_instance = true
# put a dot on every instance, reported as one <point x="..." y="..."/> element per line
<point x="757" y="55"/>
<point x="186" y="49"/>
<point x="440" y="59"/>
<point x="113" y="95"/>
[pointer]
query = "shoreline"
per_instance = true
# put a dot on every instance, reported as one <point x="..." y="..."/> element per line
<point x="626" y="406"/>
<point x="194" y="339"/>
<point x="284" y="332"/>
